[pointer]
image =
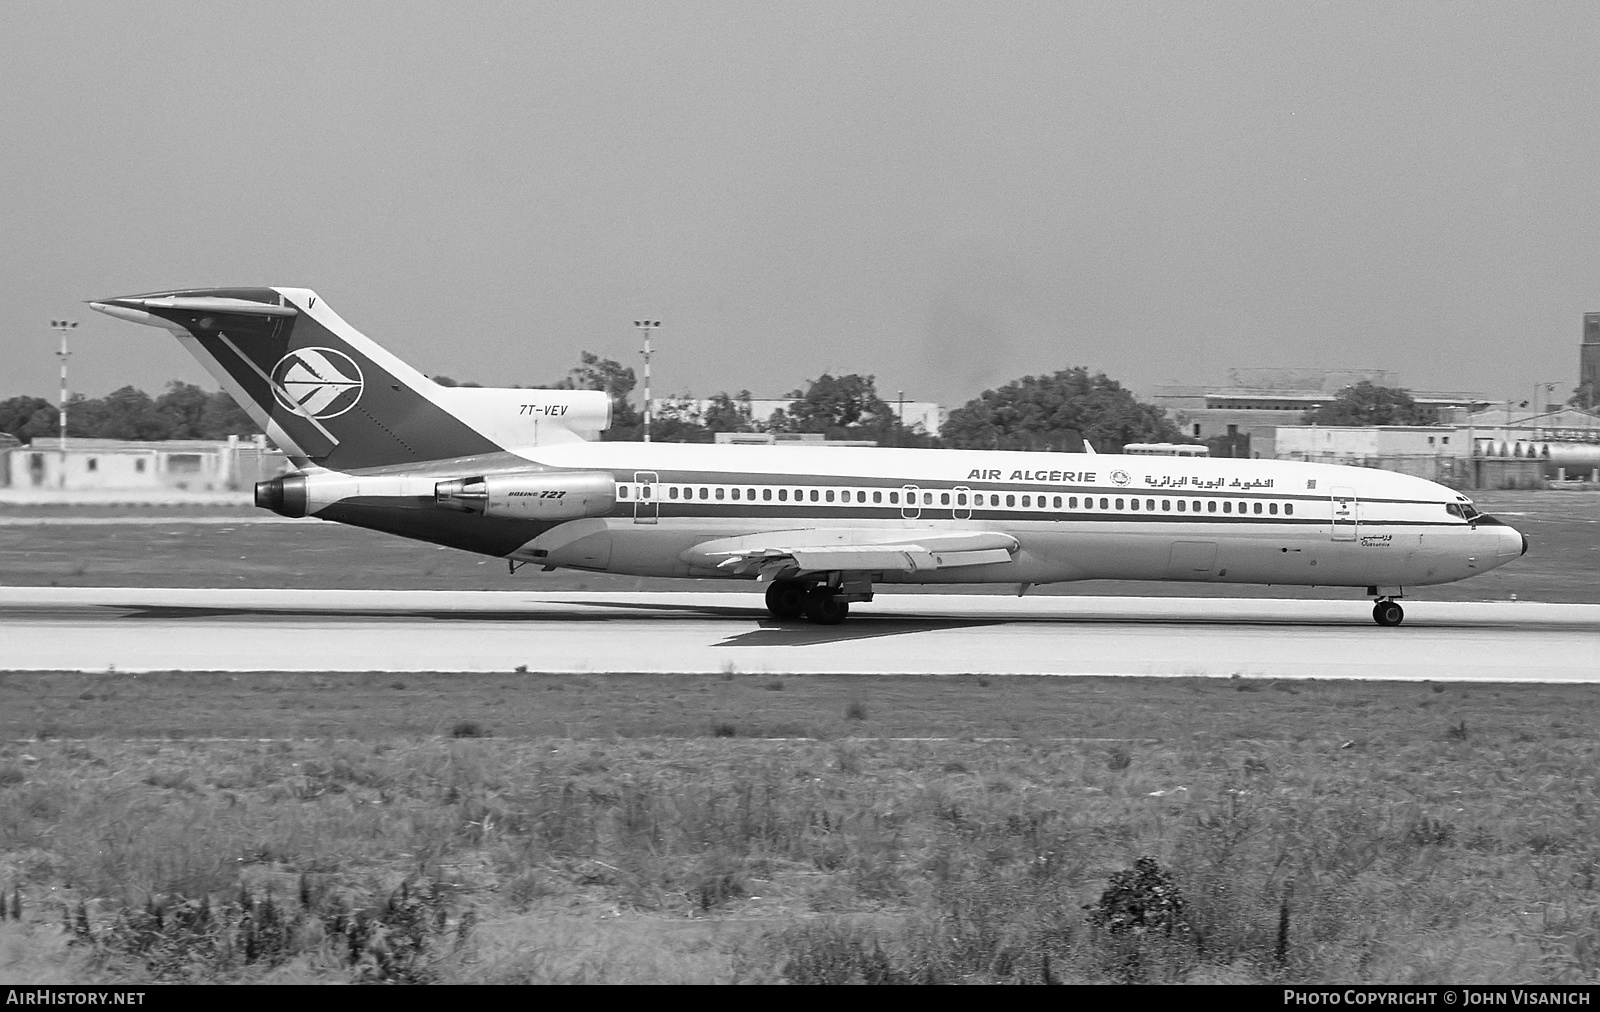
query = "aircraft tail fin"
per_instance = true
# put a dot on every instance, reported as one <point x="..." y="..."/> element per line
<point x="329" y="395"/>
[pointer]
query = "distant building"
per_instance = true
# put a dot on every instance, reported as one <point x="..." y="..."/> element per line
<point x="1244" y="414"/>
<point x="1589" y="362"/>
<point x="193" y="465"/>
<point x="1494" y="448"/>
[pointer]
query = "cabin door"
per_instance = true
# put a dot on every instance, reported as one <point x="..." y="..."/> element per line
<point x="1346" y="513"/>
<point x="646" y="508"/>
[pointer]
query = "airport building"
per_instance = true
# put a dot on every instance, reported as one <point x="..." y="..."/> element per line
<point x="1241" y="418"/>
<point x="189" y="465"/>
<point x="1494" y="448"/>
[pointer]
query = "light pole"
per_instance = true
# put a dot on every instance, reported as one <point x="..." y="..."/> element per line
<point x="647" y="326"/>
<point x="62" y="327"/>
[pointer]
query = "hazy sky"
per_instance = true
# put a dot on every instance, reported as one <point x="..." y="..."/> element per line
<point x="947" y="195"/>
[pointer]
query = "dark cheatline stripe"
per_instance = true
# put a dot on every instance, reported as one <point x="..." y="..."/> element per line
<point x="802" y="513"/>
<point x="890" y="484"/>
<point x="418" y="518"/>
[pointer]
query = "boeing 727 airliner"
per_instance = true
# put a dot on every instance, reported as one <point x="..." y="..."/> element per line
<point x="515" y="474"/>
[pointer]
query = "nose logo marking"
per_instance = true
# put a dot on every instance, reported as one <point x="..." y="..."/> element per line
<point x="317" y="382"/>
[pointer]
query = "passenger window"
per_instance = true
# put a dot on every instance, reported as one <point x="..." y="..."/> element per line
<point x="1134" y="503"/>
<point x="877" y="497"/>
<point x="1105" y="504"/>
<point x="783" y="495"/>
<point x="1211" y="506"/>
<point x="994" y="500"/>
<point x="1180" y="505"/>
<point x="1072" y="503"/>
<point x="1011" y="500"/>
<point x="766" y="495"/>
<point x="927" y="498"/>
<point x="1288" y="508"/>
<point x="1227" y="507"/>
<point x="944" y="498"/>
<point x="1149" y="504"/>
<point x="813" y="495"/>
<point x="750" y="494"/>
<point x="705" y="493"/>
<point x="673" y="491"/>
<point x="829" y="496"/>
<point x="894" y="498"/>
<point x="1119" y="504"/>
<point x="735" y="493"/>
<point x="719" y="491"/>
<point x="1258" y="508"/>
<point x="1058" y="502"/>
<point x="622" y="491"/>
<point x="1272" y="508"/>
<point x="1166" y="505"/>
<point x="961" y="499"/>
<point x="1197" y="505"/>
<point x="1027" y="501"/>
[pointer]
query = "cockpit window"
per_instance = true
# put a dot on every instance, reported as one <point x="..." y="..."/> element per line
<point x="1454" y="509"/>
<point x="1468" y="512"/>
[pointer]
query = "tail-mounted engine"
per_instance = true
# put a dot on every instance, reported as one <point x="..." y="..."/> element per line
<point x="554" y="496"/>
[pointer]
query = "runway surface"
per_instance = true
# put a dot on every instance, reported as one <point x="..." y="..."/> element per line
<point x="134" y="629"/>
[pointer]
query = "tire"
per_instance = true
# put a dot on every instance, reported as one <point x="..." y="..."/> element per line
<point x="786" y="599"/>
<point x="825" y="609"/>
<point x="1388" y="613"/>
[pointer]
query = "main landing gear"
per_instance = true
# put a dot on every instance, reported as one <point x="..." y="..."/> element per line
<point x="1387" y="611"/>
<point x="818" y="602"/>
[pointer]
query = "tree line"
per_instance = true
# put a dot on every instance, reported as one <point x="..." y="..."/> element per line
<point x="184" y="411"/>
<point x="1055" y="411"/>
<point x="1048" y="412"/>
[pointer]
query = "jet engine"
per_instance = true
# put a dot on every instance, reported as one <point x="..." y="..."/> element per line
<point x="544" y="496"/>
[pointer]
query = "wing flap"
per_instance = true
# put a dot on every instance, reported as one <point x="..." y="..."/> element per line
<point x="852" y="550"/>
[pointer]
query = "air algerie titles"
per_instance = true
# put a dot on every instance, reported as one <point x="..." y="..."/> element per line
<point x="1075" y="477"/>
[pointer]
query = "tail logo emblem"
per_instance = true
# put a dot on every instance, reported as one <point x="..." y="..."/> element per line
<point x="317" y="382"/>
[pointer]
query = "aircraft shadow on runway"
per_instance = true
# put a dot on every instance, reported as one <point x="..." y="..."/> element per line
<point x="803" y="634"/>
<point x="770" y="631"/>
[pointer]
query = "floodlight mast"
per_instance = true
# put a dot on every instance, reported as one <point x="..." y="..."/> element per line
<point x="62" y="327"/>
<point x="647" y="326"/>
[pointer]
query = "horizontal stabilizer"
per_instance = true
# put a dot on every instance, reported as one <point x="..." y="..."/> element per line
<point x="197" y="305"/>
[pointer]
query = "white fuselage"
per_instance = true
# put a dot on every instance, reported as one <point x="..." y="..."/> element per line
<point x="1074" y="516"/>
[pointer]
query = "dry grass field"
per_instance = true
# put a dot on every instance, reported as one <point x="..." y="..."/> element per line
<point x="540" y="828"/>
<point x="654" y="829"/>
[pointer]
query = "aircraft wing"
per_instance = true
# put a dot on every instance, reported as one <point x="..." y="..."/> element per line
<point x="851" y="550"/>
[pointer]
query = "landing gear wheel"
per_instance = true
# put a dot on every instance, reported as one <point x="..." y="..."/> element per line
<point x="825" y="609"/>
<point x="1388" y="613"/>
<point x="786" y="599"/>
